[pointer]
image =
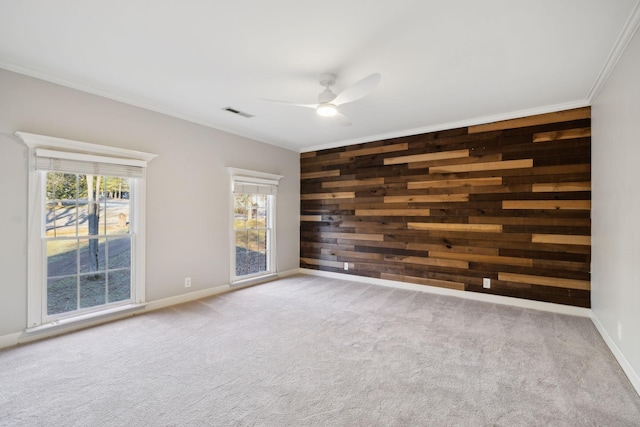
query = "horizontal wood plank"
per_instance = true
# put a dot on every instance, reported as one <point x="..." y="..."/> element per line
<point x="540" y="119"/>
<point x="452" y="183"/>
<point x="324" y="262"/>
<point x="444" y="247"/>
<point x="320" y="174"/>
<point x="488" y="166"/>
<point x="545" y="281"/>
<point x="353" y="183"/>
<point x="558" y="135"/>
<point x="561" y="186"/>
<point x="392" y="212"/>
<point x="561" y="239"/>
<point x="434" y="262"/>
<point x="528" y="220"/>
<point x="427" y="157"/>
<point x="375" y="150"/>
<point x="325" y="196"/>
<point x="353" y="236"/>
<point x="496" y="228"/>
<point x="547" y="204"/>
<point x="488" y="259"/>
<point x="427" y="198"/>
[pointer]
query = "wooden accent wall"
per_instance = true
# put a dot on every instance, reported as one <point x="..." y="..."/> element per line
<point x="507" y="200"/>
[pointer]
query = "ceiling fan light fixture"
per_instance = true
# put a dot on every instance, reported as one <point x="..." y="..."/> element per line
<point x="327" y="110"/>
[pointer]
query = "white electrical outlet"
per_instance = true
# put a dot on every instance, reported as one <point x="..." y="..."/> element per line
<point x="187" y="282"/>
<point x="486" y="283"/>
<point x="619" y="331"/>
<point x="346" y="265"/>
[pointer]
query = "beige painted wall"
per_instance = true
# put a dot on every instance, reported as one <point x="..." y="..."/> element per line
<point x="188" y="203"/>
<point x="615" y="292"/>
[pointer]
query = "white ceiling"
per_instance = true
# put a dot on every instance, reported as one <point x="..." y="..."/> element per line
<point x="443" y="63"/>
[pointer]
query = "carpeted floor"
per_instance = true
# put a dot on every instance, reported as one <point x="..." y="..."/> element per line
<point x="310" y="351"/>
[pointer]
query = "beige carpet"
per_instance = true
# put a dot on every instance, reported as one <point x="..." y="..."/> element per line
<point x="309" y="351"/>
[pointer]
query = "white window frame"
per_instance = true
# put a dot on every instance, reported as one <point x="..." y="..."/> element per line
<point x="37" y="317"/>
<point x="249" y="177"/>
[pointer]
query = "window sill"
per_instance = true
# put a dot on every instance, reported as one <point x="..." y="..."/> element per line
<point x="86" y="319"/>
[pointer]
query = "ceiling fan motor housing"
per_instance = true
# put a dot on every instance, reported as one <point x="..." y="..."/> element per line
<point x="327" y="80"/>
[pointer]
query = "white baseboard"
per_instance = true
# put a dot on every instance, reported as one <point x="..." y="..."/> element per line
<point x="476" y="296"/>
<point x="617" y="353"/>
<point x="48" y="331"/>
<point x="288" y="273"/>
<point x="181" y="299"/>
<point x="9" y="340"/>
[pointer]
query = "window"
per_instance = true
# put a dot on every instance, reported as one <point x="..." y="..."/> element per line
<point x="253" y="224"/>
<point x="86" y="229"/>
<point x="87" y="241"/>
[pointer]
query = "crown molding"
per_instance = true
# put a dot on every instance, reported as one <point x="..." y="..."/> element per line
<point x="453" y="125"/>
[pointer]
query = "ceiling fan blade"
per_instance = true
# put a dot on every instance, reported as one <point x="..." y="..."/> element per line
<point x="358" y="90"/>
<point x="341" y="119"/>
<point x="314" y="106"/>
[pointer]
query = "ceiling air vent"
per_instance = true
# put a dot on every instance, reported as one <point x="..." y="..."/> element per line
<point x="238" y="112"/>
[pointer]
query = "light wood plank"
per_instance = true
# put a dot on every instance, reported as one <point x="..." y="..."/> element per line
<point x="449" y="248"/>
<point x="327" y="248"/>
<point x="353" y="236"/>
<point x="311" y="218"/>
<point x="485" y="166"/>
<point x="561" y="186"/>
<point x="375" y="150"/>
<point x="545" y="281"/>
<point x="547" y="204"/>
<point x="307" y="155"/>
<point x="540" y="119"/>
<point x="320" y="174"/>
<point x="504" y="260"/>
<point x="454" y="154"/>
<point x="325" y="263"/>
<point x="328" y="196"/>
<point x="432" y="198"/>
<point x="489" y="228"/>
<point x="561" y="135"/>
<point x="448" y="183"/>
<point x="434" y="262"/>
<point x="393" y="212"/>
<point x="423" y="281"/>
<point x="359" y="255"/>
<point x="527" y="220"/>
<point x="496" y="157"/>
<point x="561" y="239"/>
<point x="353" y="183"/>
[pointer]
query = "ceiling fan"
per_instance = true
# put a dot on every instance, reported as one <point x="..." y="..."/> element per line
<point x="328" y="102"/>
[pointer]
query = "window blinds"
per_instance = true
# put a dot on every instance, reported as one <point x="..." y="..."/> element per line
<point x="249" y="185"/>
<point x="63" y="161"/>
